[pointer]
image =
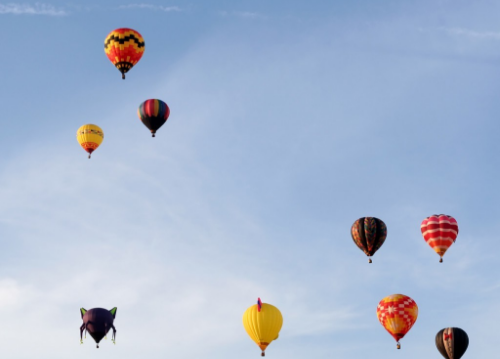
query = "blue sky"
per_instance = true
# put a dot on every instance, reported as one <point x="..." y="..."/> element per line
<point x="289" y="121"/>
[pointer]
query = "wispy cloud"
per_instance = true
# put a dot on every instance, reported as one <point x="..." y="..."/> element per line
<point x="245" y="14"/>
<point x="151" y="7"/>
<point x="472" y="33"/>
<point x="36" y="9"/>
<point x="11" y="293"/>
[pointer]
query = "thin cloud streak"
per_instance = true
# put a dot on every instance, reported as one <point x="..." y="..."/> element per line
<point x="244" y="14"/>
<point x="37" y="9"/>
<point x="151" y="7"/>
<point x="472" y="33"/>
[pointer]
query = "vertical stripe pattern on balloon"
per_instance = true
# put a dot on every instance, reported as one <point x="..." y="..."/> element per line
<point x="153" y="113"/>
<point x="369" y="233"/>
<point x="452" y="342"/>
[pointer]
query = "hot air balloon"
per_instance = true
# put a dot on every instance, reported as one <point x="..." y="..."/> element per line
<point x="263" y="323"/>
<point x="452" y="342"/>
<point x="369" y="234"/>
<point x="397" y="313"/>
<point x="153" y="114"/>
<point x="440" y="232"/>
<point x="98" y="322"/>
<point x="124" y="48"/>
<point x="89" y="137"/>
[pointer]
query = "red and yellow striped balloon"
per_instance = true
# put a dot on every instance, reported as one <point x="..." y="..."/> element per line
<point x="124" y="48"/>
<point x="440" y="232"/>
<point x="397" y="313"/>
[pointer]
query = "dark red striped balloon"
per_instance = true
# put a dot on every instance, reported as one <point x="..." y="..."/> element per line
<point x="153" y="114"/>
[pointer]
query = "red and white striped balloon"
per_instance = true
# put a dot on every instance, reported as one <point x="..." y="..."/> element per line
<point x="440" y="231"/>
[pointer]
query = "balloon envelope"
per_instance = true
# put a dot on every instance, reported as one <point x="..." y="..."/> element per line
<point x="153" y="114"/>
<point x="97" y="322"/>
<point x="397" y="313"/>
<point x="369" y="233"/>
<point x="124" y="48"/>
<point x="440" y="232"/>
<point x="452" y="342"/>
<point x="263" y="323"/>
<point x="89" y="137"/>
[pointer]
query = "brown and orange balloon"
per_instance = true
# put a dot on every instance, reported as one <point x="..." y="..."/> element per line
<point x="369" y="233"/>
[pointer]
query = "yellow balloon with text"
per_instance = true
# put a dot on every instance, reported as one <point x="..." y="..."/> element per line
<point x="89" y="137"/>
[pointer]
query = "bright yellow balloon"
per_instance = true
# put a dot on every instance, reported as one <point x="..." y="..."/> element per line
<point x="263" y="326"/>
<point x="89" y="137"/>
